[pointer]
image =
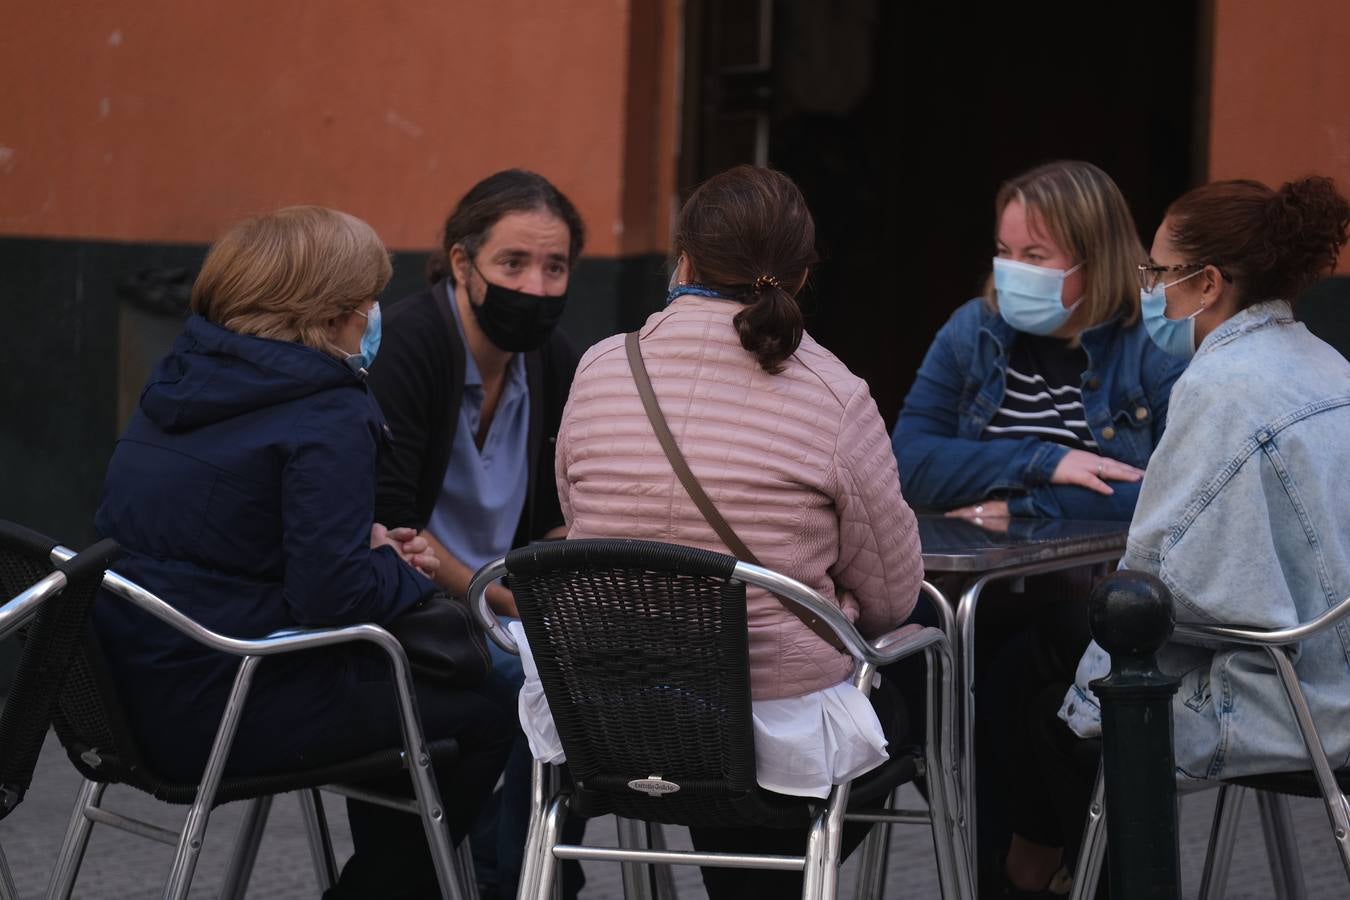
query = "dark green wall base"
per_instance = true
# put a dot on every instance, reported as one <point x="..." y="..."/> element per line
<point x="64" y="323"/>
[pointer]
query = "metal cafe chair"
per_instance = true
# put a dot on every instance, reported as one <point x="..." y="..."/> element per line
<point x="37" y="596"/>
<point x="642" y="650"/>
<point x="1272" y="790"/>
<point x="92" y="729"/>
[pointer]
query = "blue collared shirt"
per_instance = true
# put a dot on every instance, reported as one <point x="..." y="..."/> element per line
<point x="483" y="494"/>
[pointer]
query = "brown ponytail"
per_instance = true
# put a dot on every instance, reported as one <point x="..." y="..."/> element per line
<point x="1272" y="244"/>
<point x="770" y="328"/>
<point x="747" y="233"/>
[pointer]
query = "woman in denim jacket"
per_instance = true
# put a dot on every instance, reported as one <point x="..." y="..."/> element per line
<point x="1045" y="397"/>
<point x="1245" y="513"/>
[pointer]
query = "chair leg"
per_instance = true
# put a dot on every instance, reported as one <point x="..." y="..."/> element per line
<point x="320" y="839"/>
<point x="70" y="857"/>
<point x="194" y="828"/>
<point x="1338" y="831"/>
<point x="1338" y="808"/>
<point x="1222" y="836"/>
<point x="815" y="858"/>
<point x="950" y="839"/>
<point x="1286" y="873"/>
<point x="642" y="881"/>
<point x="246" y="844"/>
<point x="425" y="791"/>
<point x="637" y="883"/>
<point x="540" y="794"/>
<point x="7" y="889"/>
<point x="546" y="874"/>
<point x="1092" y="851"/>
<point x="834" y="841"/>
<point x="662" y="876"/>
<point x="875" y="857"/>
<point x="468" y="882"/>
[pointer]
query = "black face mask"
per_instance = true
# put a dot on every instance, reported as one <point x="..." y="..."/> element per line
<point x="516" y="321"/>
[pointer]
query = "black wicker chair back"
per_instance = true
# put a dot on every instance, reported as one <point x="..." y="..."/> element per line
<point x="642" y="649"/>
<point x="51" y="644"/>
<point x="88" y="721"/>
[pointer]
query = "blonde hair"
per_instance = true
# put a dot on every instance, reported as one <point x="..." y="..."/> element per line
<point x="288" y="274"/>
<point x="1083" y="211"/>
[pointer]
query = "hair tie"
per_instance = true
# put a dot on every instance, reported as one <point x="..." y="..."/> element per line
<point x="764" y="282"/>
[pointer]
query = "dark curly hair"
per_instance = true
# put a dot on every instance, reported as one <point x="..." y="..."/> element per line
<point x="1272" y="244"/>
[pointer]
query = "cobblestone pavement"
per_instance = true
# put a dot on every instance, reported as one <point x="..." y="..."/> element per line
<point x="121" y="866"/>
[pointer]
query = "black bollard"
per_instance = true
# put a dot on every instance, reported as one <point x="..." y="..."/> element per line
<point x="1131" y="617"/>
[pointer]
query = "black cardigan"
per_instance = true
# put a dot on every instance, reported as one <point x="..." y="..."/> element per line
<point x="418" y="379"/>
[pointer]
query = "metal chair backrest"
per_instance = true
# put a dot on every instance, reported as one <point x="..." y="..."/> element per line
<point x="51" y="644"/>
<point x="642" y="650"/>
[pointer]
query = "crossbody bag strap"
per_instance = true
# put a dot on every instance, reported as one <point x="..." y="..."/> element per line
<point x="695" y="490"/>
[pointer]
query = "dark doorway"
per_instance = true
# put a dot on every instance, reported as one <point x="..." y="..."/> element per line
<point x="899" y="123"/>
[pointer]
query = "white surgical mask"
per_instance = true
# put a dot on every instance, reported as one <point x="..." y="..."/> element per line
<point x="1030" y="298"/>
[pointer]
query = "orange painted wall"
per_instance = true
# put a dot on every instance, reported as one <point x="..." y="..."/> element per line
<point x="1281" y="92"/>
<point x="155" y="120"/>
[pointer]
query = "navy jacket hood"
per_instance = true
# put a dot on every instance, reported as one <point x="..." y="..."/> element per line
<point x="213" y="374"/>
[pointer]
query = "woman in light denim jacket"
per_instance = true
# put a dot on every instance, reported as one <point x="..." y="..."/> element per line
<point x="1069" y="221"/>
<point x="1245" y="512"/>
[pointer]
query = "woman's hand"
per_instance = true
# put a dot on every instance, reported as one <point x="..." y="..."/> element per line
<point x="416" y="551"/>
<point x="411" y="547"/>
<point x="991" y="515"/>
<point x="1092" y="471"/>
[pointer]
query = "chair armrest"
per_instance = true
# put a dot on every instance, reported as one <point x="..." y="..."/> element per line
<point x="1265" y="637"/>
<point x="288" y="641"/>
<point x="284" y="641"/>
<point x="476" y="598"/>
<point x="23" y="606"/>
<point x="885" y="650"/>
<point x="907" y="640"/>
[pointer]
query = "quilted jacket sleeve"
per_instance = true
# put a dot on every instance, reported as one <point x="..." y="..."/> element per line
<point x="879" y="558"/>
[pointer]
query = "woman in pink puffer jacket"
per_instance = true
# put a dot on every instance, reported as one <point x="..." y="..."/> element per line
<point x="786" y="441"/>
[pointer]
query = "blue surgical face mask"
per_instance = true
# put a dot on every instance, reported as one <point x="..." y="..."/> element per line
<point x="370" y="338"/>
<point x="1174" y="336"/>
<point x="1030" y="298"/>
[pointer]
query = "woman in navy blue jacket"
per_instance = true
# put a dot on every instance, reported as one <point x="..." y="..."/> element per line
<point x="1044" y="397"/>
<point x="243" y="493"/>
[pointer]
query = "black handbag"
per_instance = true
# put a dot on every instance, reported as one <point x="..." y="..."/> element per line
<point x="444" y="641"/>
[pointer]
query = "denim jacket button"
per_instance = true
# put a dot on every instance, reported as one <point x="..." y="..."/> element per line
<point x="1141" y="413"/>
<point x="1093" y="383"/>
<point x="1108" y="433"/>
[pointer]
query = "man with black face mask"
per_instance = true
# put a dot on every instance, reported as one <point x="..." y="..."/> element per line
<point x="472" y="378"/>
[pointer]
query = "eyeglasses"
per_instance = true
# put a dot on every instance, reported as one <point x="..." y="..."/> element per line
<point x="1150" y="275"/>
